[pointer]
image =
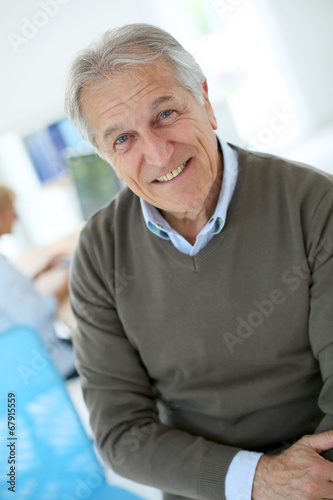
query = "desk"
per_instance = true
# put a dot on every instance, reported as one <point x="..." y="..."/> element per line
<point x="36" y="258"/>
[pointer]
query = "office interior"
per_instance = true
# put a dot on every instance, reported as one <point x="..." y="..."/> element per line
<point x="269" y="67"/>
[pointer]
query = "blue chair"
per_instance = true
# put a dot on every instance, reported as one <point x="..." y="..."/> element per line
<point x="54" y="458"/>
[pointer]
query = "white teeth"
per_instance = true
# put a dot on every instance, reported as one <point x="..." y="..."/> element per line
<point x="173" y="174"/>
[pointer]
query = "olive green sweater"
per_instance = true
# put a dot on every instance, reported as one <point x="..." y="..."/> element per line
<point x="185" y="360"/>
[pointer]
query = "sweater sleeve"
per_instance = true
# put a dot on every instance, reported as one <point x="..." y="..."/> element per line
<point x="321" y="310"/>
<point x="120" y="399"/>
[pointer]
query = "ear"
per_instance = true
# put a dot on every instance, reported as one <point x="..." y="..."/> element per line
<point x="208" y="106"/>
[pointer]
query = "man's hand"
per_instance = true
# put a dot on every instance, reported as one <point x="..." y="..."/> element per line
<point x="299" y="473"/>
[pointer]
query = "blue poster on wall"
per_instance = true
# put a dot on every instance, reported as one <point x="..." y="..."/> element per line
<point x="47" y="149"/>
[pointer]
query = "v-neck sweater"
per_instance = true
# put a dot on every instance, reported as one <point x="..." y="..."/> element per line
<point x="186" y="360"/>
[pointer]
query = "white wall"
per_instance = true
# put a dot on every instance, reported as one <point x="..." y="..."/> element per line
<point x="302" y="30"/>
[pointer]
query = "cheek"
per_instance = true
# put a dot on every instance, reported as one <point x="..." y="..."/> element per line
<point x="121" y="170"/>
<point x="127" y="167"/>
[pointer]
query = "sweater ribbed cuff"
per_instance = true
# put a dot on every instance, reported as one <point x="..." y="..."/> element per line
<point x="211" y="479"/>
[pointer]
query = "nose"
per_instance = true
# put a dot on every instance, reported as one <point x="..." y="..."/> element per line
<point x="157" y="149"/>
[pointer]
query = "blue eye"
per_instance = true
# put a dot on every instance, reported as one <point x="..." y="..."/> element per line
<point x="165" y="114"/>
<point x="121" y="139"/>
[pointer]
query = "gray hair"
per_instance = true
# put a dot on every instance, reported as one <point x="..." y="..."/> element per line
<point x="133" y="45"/>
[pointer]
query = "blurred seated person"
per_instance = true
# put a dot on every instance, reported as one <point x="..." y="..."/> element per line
<point x="20" y="302"/>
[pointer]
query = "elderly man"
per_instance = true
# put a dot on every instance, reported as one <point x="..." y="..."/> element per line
<point x="203" y="291"/>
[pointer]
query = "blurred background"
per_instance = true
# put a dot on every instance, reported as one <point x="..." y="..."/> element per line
<point x="269" y="66"/>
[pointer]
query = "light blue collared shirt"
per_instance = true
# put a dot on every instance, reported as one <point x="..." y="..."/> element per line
<point x="239" y="479"/>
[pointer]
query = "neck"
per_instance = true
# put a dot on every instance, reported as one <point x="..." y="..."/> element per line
<point x="187" y="227"/>
<point x="190" y="224"/>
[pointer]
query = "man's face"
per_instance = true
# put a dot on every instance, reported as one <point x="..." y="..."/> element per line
<point x="157" y="137"/>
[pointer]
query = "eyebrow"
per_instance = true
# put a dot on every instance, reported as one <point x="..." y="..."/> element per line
<point x="110" y="131"/>
<point x="153" y="106"/>
<point x="160" y="100"/>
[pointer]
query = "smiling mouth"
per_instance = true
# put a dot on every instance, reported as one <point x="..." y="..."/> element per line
<point x="173" y="174"/>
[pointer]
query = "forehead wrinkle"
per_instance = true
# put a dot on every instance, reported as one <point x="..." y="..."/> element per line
<point x="94" y="89"/>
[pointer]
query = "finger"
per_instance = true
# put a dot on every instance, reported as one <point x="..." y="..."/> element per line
<point x="319" y="442"/>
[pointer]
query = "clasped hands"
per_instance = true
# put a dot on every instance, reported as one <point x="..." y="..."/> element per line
<point x="299" y="473"/>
